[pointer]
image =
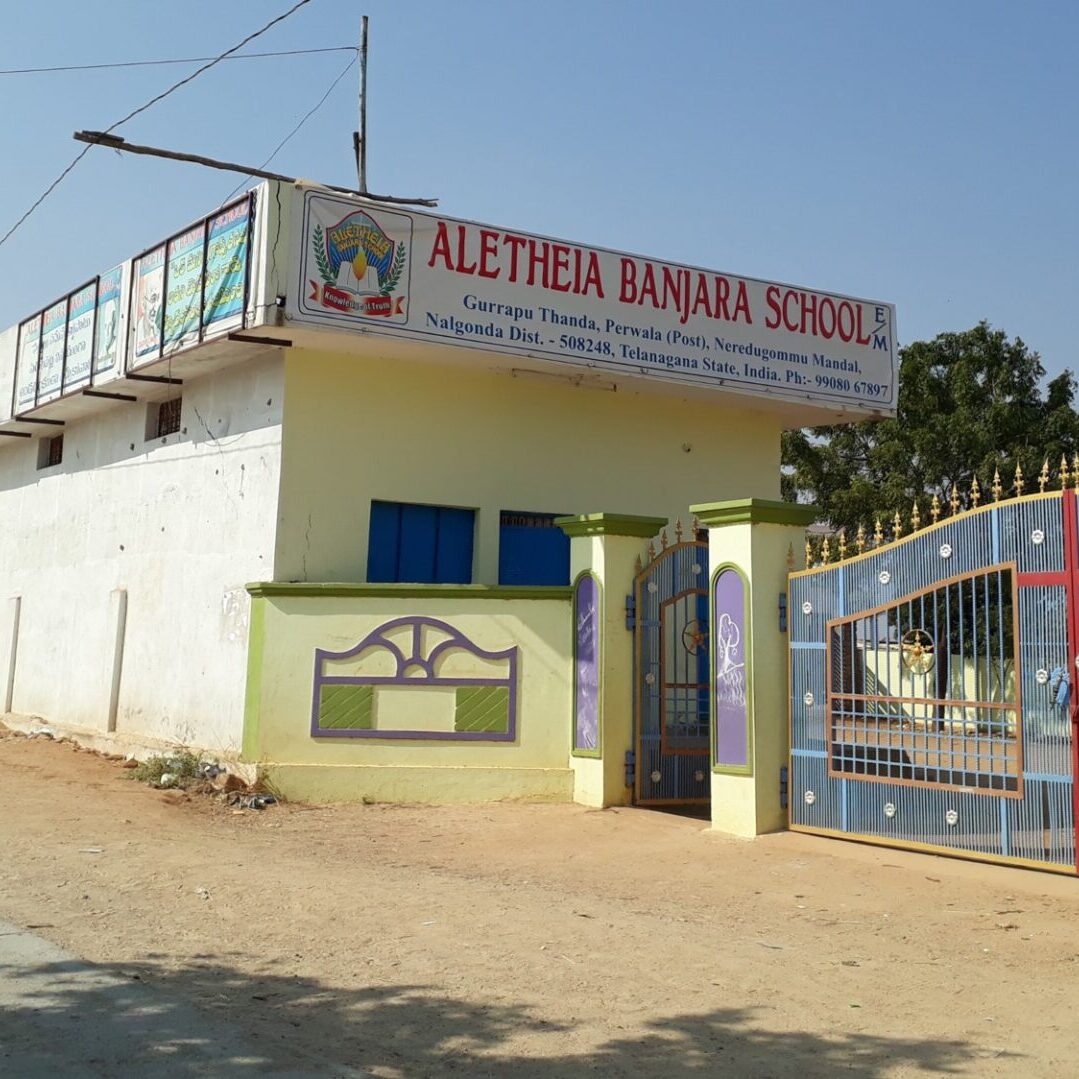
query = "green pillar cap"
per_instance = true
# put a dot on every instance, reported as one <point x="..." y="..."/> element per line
<point x="610" y="524"/>
<point x="755" y="511"/>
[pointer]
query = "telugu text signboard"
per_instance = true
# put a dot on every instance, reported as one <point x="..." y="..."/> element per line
<point x="432" y="278"/>
<point x="191" y="285"/>
<point x="56" y="352"/>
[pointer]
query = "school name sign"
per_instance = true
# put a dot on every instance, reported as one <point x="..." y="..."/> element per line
<point x="424" y="277"/>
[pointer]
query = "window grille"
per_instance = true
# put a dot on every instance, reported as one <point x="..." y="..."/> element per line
<point x="168" y="417"/>
<point x="50" y="452"/>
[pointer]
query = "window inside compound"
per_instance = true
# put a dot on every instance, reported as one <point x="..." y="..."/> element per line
<point x="532" y="549"/>
<point x="925" y="690"/>
<point x="420" y="544"/>
<point x="50" y="452"/>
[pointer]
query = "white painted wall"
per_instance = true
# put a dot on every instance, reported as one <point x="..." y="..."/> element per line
<point x="180" y="523"/>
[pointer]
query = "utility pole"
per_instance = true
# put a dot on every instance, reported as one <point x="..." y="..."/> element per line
<point x="359" y="138"/>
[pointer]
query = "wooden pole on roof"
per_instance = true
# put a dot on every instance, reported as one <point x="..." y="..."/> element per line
<point x="114" y="142"/>
<point x="361" y="135"/>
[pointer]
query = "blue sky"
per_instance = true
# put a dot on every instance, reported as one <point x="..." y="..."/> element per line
<point x="922" y="153"/>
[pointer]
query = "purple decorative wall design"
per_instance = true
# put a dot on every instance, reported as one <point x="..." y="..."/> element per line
<point x="424" y="673"/>
<point x="586" y="664"/>
<point x="729" y="644"/>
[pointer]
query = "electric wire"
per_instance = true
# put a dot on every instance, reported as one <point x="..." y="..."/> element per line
<point x="142" y="108"/>
<point x="311" y="112"/>
<point x="159" y="63"/>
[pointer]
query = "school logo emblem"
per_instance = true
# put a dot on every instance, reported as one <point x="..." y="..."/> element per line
<point x="363" y="270"/>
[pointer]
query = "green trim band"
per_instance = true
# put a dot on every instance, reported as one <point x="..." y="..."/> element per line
<point x="323" y="589"/>
<point x="610" y="524"/>
<point x="256" y="645"/>
<point x="755" y="511"/>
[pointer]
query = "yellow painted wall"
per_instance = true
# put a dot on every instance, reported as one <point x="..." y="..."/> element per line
<point x="358" y="428"/>
<point x="287" y="630"/>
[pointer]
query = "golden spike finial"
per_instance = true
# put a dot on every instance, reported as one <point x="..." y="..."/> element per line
<point x="663" y="539"/>
<point x="678" y="530"/>
<point x="651" y="550"/>
<point x="638" y="565"/>
<point x="915" y="517"/>
<point x="934" y="508"/>
<point x="1063" y="471"/>
<point x="790" y="558"/>
<point x="897" y="525"/>
<point x="1020" y="482"/>
<point x="998" y="487"/>
<point x="859" y="539"/>
<point x="1075" y="468"/>
<point x="1043" y="476"/>
<point x="842" y="545"/>
<point x="825" y="551"/>
<point x="696" y="525"/>
<point x="954" y="500"/>
<point x="975" y="492"/>
<point x="809" y="552"/>
<point x="878" y="534"/>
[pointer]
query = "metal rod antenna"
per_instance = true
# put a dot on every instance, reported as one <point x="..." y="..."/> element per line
<point x="361" y="147"/>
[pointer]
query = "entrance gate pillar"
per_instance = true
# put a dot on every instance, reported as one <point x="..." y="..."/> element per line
<point x="751" y="542"/>
<point x="603" y="550"/>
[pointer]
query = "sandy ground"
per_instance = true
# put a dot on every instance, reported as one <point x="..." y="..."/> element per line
<point x="531" y="940"/>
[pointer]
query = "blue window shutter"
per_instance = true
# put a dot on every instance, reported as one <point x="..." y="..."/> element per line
<point x="453" y="556"/>
<point x="419" y="541"/>
<point x="420" y="544"/>
<point x="384" y="539"/>
<point x="532" y="556"/>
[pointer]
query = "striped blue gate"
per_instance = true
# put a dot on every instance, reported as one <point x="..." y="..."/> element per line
<point x="672" y="681"/>
<point x="932" y="687"/>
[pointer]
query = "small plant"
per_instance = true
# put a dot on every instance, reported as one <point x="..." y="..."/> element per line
<point x="181" y="766"/>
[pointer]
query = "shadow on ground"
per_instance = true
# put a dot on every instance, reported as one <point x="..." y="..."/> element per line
<point x="77" y="1019"/>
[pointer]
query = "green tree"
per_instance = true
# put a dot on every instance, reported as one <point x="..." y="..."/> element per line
<point x="969" y="403"/>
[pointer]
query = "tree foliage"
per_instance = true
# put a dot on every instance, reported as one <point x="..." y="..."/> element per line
<point x="969" y="403"/>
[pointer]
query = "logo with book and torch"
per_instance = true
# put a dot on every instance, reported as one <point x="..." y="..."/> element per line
<point x="361" y="268"/>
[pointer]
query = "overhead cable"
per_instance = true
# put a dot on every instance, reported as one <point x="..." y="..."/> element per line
<point x="160" y="63"/>
<point x="281" y="145"/>
<point x="142" y="108"/>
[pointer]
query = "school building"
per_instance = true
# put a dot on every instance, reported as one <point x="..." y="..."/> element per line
<point x="401" y="507"/>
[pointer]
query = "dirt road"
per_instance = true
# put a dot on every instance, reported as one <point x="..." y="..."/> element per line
<point x="529" y="940"/>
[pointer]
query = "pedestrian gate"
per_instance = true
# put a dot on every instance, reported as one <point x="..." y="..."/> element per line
<point x="931" y="687"/>
<point x="672" y="684"/>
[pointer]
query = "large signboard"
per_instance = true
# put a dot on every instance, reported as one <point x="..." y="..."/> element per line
<point x="107" y="329"/>
<point x="425" y="277"/>
<point x="191" y="285"/>
<point x="79" y="341"/>
<point x="62" y="348"/>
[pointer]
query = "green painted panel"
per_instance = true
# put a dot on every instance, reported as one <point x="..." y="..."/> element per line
<point x="346" y="708"/>
<point x="482" y="708"/>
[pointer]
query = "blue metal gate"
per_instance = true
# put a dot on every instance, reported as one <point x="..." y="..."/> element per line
<point x="931" y="687"/>
<point x="672" y="682"/>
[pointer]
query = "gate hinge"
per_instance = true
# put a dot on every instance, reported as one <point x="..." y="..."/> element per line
<point x="631" y="612"/>
<point x="782" y="612"/>
<point x="631" y="768"/>
<point x="783" y="786"/>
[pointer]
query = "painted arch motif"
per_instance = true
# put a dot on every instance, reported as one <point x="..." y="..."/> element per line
<point x="416" y="678"/>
